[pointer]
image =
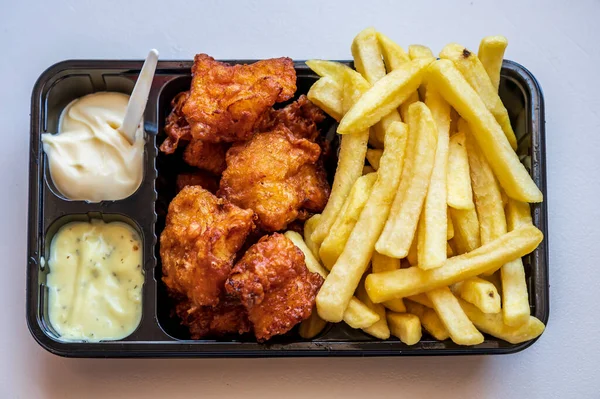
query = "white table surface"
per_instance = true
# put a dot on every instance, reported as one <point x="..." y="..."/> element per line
<point x="556" y="40"/>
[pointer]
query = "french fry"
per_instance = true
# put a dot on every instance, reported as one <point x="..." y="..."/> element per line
<point x="309" y="227"/>
<point x="405" y="282"/>
<point x="413" y="98"/>
<point x="515" y="299"/>
<point x="418" y="51"/>
<point x="466" y="230"/>
<point x="380" y="329"/>
<point x="357" y="314"/>
<point x="517" y="214"/>
<point x="327" y="95"/>
<point x="493" y="324"/>
<point x="382" y="263"/>
<point x="413" y="252"/>
<point x="480" y="293"/>
<point x="491" y="54"/>
<point x="399" y="230"/>
<point x="429" y="320"/>
<point x="393" y="54"/>
<point x="512" y="175"/>
<point x="460" y="193"/>
<point x="474" y="72"/>
<point x="460" y="328"/>
<point x="368" y="61"/>
<point x="345" y="275"/>
<point x="383" y="97"/>
<point x="488" y="200"/>
<point x="433" y="233"/>
<point x="395" y="305"/>
<point x="368" y="169"/>
<point x="332" y="69"/>
<point x="405" y="326"/>
<point x="353" y="148"/>
<point x="333" y="245"/>
<point x="421" y="299"/>
<point x="312" y="326"/>
<point x="450" y="228"/>
<point x="373" y="156"/>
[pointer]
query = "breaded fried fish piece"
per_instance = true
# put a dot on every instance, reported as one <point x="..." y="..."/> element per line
<point x="199" y="243"/>
<point x="227" y="101"/>
<point x="271" y="280"/>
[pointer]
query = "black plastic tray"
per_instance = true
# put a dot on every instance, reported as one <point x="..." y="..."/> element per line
<point x="160" y="336"/>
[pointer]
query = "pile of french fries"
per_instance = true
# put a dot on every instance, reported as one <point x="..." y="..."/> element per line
<point x="431" y="232"/>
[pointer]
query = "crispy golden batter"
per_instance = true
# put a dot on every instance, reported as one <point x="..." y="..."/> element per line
<point x="227" y="101"/>
<point x="198" y="245"/>
<point x="276" y="175"/>
<point x="176" y="127"/>
<point x="207" y="156"/>
<point x="272" y="282"/>
<point x="228" y="317"/>
<point x="198" y="178"/>
<point x="301" y="117"/>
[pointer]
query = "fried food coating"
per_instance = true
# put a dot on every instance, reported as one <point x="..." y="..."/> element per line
<point x="207" y="156"/>
<point x="229" y="316"/>
<point x="301" y="117"/>
<point x="176" y="126"/>
<point x="276" y="175"/>
<point x="198" y="178"/>
<point x="199" y="243"/>
<point x="272" y="282"/>
<point x="227" y="101"/>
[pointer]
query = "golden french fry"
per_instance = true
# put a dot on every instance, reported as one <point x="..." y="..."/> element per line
<point x="413" y="252"/>
<point x="434" y="230"/>
<point x="399" y="230"/>
<point x="393" y="54"/>
<point x="466" y="230"/>
<point x="332" y="69"/>
<point x="418" y="51"/>
<point x="353" y="148"/>
<point x="491" y="54"/>
<point x="496" y="280"/>
<point x="383" y="97"/>
<point x="488" y="200"/>
<point x="395" y="305"/>
<point x="412" y="98"/>
<point x="405" y="282"/>
<point x="312" y="326"/>
<point x="380" y="329"/>
<point x="405" y="326"/>
<point x="460" y="328"/>
<point x="309" y="227"/>
<point x="450" y="228"/>
<point x="373" y="156"/>
<point x="357" y="314"/>
<point x="460" y="193"/>
<point x="429" y="320"/>
<point x="382" y="263"/>
<point x="474" y="72"/>
<point x="517" y="213"/>
<point x="449" y="250"/>
<point x="480" y="293"/>
<point x="327" y="95"/>
<point x="515" y="299"/>
<point x="333" y="245"/>
<point x="368" y="169"/>
<point x="421" y="299"/>
<point x="354" y="260"/>
<point x="513" y="176"/>
<point x="493" y="324"/>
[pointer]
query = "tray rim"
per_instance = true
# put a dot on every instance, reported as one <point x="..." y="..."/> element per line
<point x="162" y="349"/>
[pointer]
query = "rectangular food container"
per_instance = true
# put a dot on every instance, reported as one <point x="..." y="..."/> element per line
<point x="159" y="335"/>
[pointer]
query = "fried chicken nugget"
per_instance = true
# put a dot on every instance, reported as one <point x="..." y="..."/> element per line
<point x="272" y="282"/>
<point x="276" y="175"/>
<point x="199" y="243"/>
<point x="301" y="117"/>
<point x="227" y="317"/>
<point x="227" y="101"/>
<point x="207" y="156"/>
